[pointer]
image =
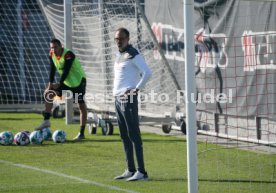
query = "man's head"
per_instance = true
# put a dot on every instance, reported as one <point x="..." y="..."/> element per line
<point x="122" y="38"/>
<point x="56" y="47"/>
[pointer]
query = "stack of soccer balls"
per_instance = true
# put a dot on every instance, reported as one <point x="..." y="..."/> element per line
<point x="23" y="138"/>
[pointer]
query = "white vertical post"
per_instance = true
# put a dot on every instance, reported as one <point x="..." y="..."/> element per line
<point x="68" y="44"/>
<point x="190" y="91"/>
<point x="21" y="61"/>
<point x="68" y="24"/>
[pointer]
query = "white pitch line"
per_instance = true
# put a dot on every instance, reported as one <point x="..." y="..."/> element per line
<point x="68" y="176"/>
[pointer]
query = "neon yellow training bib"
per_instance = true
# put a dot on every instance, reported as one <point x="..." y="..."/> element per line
<point x="76" y="72"/>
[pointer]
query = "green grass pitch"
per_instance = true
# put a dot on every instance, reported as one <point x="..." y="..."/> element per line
<point x="90" y="165"/>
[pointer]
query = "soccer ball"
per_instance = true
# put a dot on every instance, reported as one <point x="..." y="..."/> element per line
<point x="21" y="138"/>
<point x="27" y="132"/>
<point x="46" y="133"/>
<point x="36" y="137"/>
<point x="6" y="138"/>
<point x="59" y="136"/>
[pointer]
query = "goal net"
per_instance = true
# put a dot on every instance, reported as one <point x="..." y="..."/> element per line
<point x="24" y="37"/>
<point x="235" y="44"/>
<point x="235" y="58"/>
<point x="235" y="68"/>
<point x="93" y="28"/>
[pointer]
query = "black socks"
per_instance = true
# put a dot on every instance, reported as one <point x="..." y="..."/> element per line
<point x="82" y="128"/>
<point x="46" y="115"/>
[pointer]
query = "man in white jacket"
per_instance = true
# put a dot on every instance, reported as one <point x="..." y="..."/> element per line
<point x="130" y="75"/>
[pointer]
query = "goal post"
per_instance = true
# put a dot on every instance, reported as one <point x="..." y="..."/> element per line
<point x="68" y="44"/>
<point x="190" y="90"/>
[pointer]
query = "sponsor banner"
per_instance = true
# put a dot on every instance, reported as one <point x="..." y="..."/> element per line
<point x="235" y="51"/>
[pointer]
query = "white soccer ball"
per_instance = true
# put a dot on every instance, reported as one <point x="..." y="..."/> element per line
<point x="21" y="138"/>
<point x="36" y="137"/>
<point x="46" y="133"/>
<point x="59" y="136"/>
<point x="6" y="138"/>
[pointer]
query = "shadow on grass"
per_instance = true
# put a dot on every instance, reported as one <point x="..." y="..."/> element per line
<point x="238" y="181"/>
<point x="216" y="180"/>
<point x="36" y="145"/>
<point x="164" y="140"/>
<point x="17" y="119"/>
<point x="93" y="141"/>
<point x="167" y="180"/>
<point x="109" y="138"/>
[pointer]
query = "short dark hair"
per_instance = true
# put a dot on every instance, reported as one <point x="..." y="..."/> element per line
<point x="124" y="30"/>
<point x="56" y="41"/>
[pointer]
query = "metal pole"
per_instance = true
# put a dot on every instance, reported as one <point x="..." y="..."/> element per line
<point x="21" y="61"/>
<point x="139" y="26"/>
<point x="68" y="44"/>
<point x="190" y="91"/>
<point x="68" y="23"/>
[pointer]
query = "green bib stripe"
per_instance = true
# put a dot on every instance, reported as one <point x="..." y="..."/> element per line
<point x="76" y="71"/>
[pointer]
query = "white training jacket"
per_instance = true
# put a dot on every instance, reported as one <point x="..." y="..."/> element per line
<point x="130" y="71"/>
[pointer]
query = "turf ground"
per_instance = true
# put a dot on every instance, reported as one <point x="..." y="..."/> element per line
<point x="90" y="165"/>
